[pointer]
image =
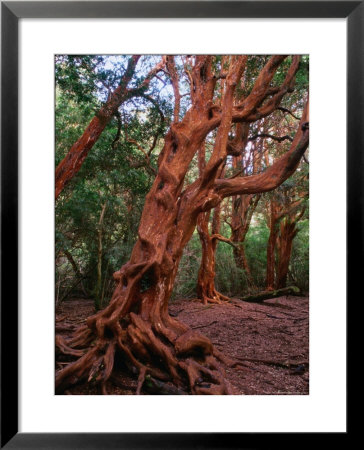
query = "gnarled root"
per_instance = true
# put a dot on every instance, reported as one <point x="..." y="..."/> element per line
<point x="213" y="296"/>
<point x="165" y="350"/>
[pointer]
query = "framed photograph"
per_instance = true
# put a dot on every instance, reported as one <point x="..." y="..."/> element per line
<point x="66" y="60"/>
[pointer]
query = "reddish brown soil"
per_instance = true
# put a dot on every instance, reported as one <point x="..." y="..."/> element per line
<point x="274" y="334"/>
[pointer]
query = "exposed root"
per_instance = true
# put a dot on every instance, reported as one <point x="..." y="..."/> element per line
<point x="214" y="297"/>
<point x="206" y="379"/>
<point x="65" y="349"/>
<point x="141" y="379"/>
<point x="186" y="358"/>
<point x="136" y="333"/>
<point x="104" y="389"/>
<point x="62" y="328"/>
<point x="76" y="371"/>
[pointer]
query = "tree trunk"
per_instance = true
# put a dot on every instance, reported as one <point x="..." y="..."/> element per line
<point x="206" y="290"/>
<point x="288" y="232"/>
<point x="98" y="299"/>
<point x="243" y="209"/>
<point x="79" y="275"/>
<point x="136" y="322"/>
<point x="272" y="240"/>
<point x="242" y="262"/>
<point x="136" y="326"/>
<point x="243" y="206"/>
<point x="72" y="162"/>
<point x="206" y="275"/>
<point x="266" y="295"/>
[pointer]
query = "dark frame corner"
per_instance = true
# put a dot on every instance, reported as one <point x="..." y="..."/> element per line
<point x="11" y="12"/>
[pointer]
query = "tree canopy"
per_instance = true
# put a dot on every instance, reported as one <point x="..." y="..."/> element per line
<point x="175" y="175"/>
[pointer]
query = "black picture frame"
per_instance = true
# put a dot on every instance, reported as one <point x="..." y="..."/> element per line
<point x="11" y="12"/>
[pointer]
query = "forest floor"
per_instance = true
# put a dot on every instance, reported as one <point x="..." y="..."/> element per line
<point x="269" y="339"/>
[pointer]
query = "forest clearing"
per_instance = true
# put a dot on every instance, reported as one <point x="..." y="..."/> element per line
<point x="269" y="339"/>
<point x="182" y="225"/>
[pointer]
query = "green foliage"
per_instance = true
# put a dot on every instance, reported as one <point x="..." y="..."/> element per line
<point x="299" y="264"/>
<point x="230" y="280"/>
<point x="185" y="285"/>
<point x="117" y="174"/>
<point x="256" y="250"/>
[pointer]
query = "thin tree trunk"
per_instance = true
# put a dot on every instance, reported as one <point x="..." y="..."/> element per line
<point x="206" y="289"/>
<point x="272" y="240"/>
<point x="76" y="269"/>
<point x="288" y="232"/>
<point x="104" y="285"/>
<point x="206" y="274"/>
<point x="241" y="260"/>
<point x="72" y="162"/>
<point x="98" y="301"/>
<point x="243" y="210"/>
<point x="58" y="288"/>
<point x="136" y="323"/>
<point x="243" y="206"/>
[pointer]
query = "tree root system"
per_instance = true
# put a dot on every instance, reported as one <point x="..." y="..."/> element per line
<point x="266" y="356"/>
<point x="165" y="350"/>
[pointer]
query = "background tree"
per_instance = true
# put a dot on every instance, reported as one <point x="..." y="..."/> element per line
<point x="287" y="206"/>
<point x="205" y="289"/>
<point x="117" y="172"/>
<point x="136" y="327"/>
<point x="243" y="206"/>
<point x="73" y="160"/>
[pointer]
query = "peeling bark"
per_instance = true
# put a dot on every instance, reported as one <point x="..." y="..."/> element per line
<point x="72" y="162"/>
<point x="288" y="231"/>
<point x="283" y="221"/>
<point x="272" y="240"/>
<point x="136" y="328"/>
<point x="206" y="289"/>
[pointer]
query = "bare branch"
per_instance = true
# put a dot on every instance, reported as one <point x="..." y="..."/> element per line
<point x="253" y="110"/>
<point x="72" y="162"/>
<point x="287" y="86"/>
<point x="174" y="79"/>
<point x="146" y="155"/>
<point x="224" y="239"/>
<point x="270" y="136"/>
<point x="274" y="175"/>
<point x="261" y="86"/>
<point x="289" y="112"/>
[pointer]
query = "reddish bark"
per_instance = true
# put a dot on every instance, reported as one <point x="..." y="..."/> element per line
<point x="174" y="79"/>
<point x="206" y="289"/>
<point x="283" y="221"/>
<point x="136" y="325"/>
<point x="72" y="162"/>
<point x="243" y="209"/>
<point x="272" y="240"/>
<point x="285" y="240"/>
<point x="288" y="231"/>
<point x="243" y="206"/>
